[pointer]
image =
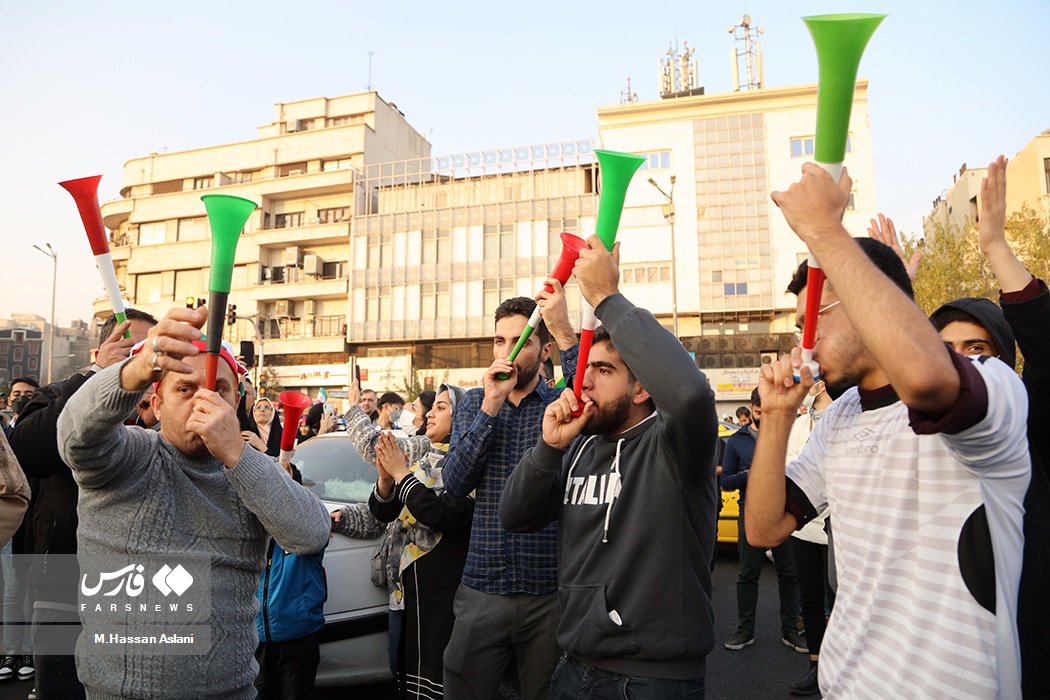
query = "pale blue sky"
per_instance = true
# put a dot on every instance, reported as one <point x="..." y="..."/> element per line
<point x="86" y="86"/>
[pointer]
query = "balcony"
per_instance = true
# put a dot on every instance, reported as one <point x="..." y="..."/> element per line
<point x="303" y="286"/>
<point x="310" y="234"/>
<point x="304" y="335"/>
<point x="116" y="211"/>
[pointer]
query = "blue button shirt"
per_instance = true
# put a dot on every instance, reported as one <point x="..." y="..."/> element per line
<point x="482" y="453"/>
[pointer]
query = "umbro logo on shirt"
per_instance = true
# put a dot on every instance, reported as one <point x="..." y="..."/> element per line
<point x="862" y="449"/>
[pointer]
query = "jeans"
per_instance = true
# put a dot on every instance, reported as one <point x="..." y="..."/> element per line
<point x="574" y="680"/>
<point x="751" y="559"/>
<point x="812" y="561"/>
<point x="17" y="630"/>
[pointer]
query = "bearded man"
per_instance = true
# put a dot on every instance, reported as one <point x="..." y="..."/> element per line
<point x="506" y="603"/>
<point x="632" y="482"/>
<point x="191" y="490"/>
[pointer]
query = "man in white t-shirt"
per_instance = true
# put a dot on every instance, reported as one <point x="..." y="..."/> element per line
<point x="924" y="464"/>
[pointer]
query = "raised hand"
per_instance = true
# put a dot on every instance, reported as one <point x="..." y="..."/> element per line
<point x="780" y="393"/>
<point x="116" y="347"/>
<point x="390" y="458"/>
<point x="555" y="312"/>
<point x="497" y="390"/>
<point x="1010" y="273"/>
<point x="167" y="343"/>
<point x="560" y="427"/>
<point x="215" y="420"/>
<point x="598" y="270"/>
<point x="884" y="231"/>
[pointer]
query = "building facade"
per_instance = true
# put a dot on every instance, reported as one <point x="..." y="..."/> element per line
<point x="368" y="250"/>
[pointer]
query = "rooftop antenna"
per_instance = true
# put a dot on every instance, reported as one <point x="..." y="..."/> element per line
<point x="752" y="54"/>
<point x="369" y="86"/>
<point x="628" y="97"/>
<point x="677" y="73"/>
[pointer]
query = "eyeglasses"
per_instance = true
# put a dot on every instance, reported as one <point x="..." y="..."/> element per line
<point x="798" y="334"/>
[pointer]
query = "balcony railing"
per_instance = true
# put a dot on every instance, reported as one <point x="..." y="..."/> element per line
<point x="306" y="327"/>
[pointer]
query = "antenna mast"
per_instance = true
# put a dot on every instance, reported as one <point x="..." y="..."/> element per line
<point x="677" y="73"/>
<point x="628" y="97"/>
<point x="752" y="54"/>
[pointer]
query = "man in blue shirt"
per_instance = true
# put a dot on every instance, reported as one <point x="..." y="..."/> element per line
<point x="507" y="602"/>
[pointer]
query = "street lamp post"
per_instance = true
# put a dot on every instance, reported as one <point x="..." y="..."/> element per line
<point x="668" y="211"/>
<point x="50" y="252"/>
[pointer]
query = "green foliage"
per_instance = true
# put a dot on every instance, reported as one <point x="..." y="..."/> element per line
<point x="953" y="266"/>
<point x="411" y="386"/>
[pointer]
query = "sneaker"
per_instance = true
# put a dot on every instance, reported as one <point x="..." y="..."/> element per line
<point x="741" y="639"/>
<point x="808" y="685"/>
<point x="796" y="641"/>
<point x="7" y="668"/>
<point x="25" y="667"/>
<point x="32" y="694"/>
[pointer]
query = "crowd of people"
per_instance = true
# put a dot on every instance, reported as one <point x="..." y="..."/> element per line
<point x="902" y="495"/>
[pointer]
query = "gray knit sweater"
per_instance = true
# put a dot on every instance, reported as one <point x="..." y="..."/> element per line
<point x="140" y="496"/>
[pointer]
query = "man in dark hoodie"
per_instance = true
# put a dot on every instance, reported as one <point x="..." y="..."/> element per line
<point x="636" y="468"/>
<point x="979" y="327"/>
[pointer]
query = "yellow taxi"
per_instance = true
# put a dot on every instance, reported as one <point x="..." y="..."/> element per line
<point x="727" y="525"/>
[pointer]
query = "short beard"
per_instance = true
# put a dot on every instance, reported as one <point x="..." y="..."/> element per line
<point x="606" y="419"/>
<point x="527" y="374"/>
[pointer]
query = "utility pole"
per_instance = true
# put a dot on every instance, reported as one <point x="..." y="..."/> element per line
<point x="668" y="211"/>
<point x="50" y="252"/>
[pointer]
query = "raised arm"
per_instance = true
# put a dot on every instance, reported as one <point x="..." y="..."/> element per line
<point x="472" y="428"/>
<point x="364" y="437"/>
<point x="894" y="330"/>
<point x="1011" y="275"/>
<point x="766" y="516"/>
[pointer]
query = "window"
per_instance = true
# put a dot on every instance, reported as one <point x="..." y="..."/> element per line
<point x="437" y="246"/>
<point x="34" y="347"/>
<point x="291" y="169"/>
<point x="192" y="230"/>
<point x="499" y="242"/>
<point x="1046" y="171"/>
<point x="203" y="183"/>
<point x="337" y="164"/>
<point x="152" y="233"/>
<point x="333" y="215"/>
<point x="380" y="251"/>
<point x="656" y="160"/>
<point x="189" y="283"/>
<point x="851" y="205"/>
<point x="246" y="176"/>
<point x="147" y="288"/>
<point x="32" y="364"/>
<point x="735" y="289"/>
<point x="803" y="146"/>
<point x="288" y="220"/>
<point x="167" y="187"/>
<point x="377" y="304"/>
<point x="434" y="300"/>
<point x="495" y="291"/>
<point x="17" y="354"/>
<point x="716" y="276"/>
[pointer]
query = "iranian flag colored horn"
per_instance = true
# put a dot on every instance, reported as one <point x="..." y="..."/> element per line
<point x="616" y="170"/>
<point x="226" y="215"/>
<point x="840" y="42"/>
<point x="85" y="194"/>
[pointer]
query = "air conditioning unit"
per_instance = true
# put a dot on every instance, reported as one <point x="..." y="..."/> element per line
<point x="709" y="361"/>
<point x="293" y="256"/>
<point x="749" y="359"/>
<point x="282" y="308"/>
<point x="267" y="274"/>
<point x="729" y="360"/>
<point x="293" y="125"/>
<point x="708" y="344"/>
<point x="309" y="307"/>
<point x="769" y="358"/>
<point x="312" y="264"/>
<point x="297" y="171"/>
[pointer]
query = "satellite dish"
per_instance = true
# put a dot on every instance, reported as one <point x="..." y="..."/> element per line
<point x="746" y="20"/>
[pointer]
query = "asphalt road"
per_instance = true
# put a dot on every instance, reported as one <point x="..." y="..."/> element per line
<point x="762" y="670"/>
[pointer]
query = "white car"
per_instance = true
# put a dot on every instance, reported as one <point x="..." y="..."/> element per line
<point x="354" y="639"/>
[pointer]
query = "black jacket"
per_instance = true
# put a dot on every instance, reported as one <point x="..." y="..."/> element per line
<point x="53" y="518"/>
<point x="1029" y="321"/>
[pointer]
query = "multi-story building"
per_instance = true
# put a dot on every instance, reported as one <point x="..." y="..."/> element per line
<point x="292" y="265"/>
<point x="24" y="349"/>
<point x="367" y="249"/>
<point x="1028" y="178"/>
<point x="21" y="353"/>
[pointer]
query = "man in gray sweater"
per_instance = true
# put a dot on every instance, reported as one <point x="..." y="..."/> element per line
<point x="632" y="482"/>
<point x="191" y="491"/>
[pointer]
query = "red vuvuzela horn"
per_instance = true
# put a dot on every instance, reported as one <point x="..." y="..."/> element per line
<point x="293" y="403"/>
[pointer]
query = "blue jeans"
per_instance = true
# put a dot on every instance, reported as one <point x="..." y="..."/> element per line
<point x="577" y="681"/>
<point x="17" y="629"/>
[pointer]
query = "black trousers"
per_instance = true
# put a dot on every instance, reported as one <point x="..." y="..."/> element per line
<point x="287" y="670"/>
<point x="56" y="631"/>
<point x="811" y="565"/>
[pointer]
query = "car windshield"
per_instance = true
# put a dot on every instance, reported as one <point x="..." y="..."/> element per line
<point x="333" y="469"/>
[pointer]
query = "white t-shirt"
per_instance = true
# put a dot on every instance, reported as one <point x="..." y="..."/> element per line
<point x="908" y="621"/>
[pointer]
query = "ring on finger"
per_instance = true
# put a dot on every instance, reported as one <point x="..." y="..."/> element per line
<point x="156" y="356"/>
<point x="156" y="350"/>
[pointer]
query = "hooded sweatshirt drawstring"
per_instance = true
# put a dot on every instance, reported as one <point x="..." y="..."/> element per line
<point x="615" y="492"/>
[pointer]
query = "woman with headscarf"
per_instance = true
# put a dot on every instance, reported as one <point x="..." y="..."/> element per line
<point x="267" y="437"/>
<point x="429" y="531"/>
